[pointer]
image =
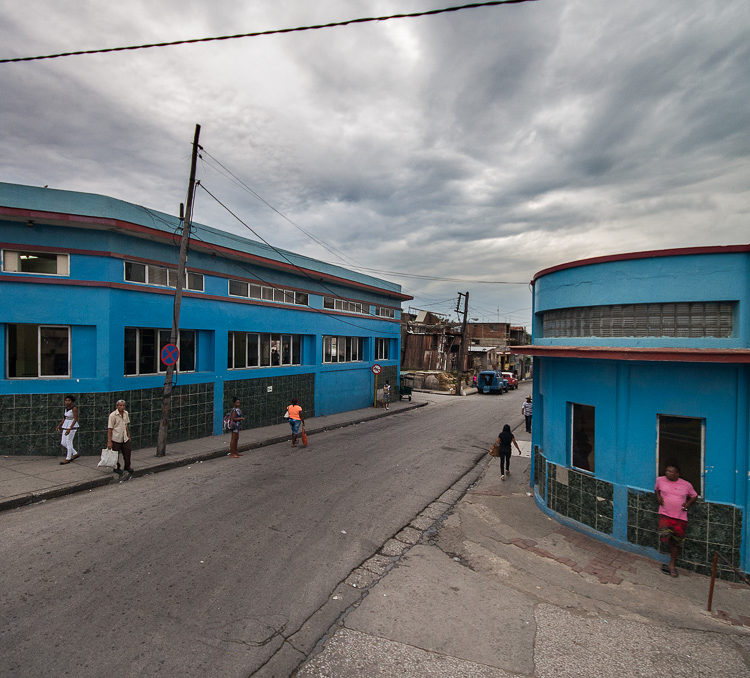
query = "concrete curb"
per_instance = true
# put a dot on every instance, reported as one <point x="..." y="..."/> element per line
<point x="357" y="585"/>
<point x="186" y="460"/>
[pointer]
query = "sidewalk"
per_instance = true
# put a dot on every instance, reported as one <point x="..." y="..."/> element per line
<point x="28" y="479"/>
<point x="484" y="584"/>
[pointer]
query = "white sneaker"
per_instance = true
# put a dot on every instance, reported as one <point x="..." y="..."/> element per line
<point x="502" y="477"/>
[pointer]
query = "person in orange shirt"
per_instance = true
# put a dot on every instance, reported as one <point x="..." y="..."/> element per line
<point x="296" y="420"/>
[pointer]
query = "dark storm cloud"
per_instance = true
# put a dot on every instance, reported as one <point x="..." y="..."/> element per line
<point x="487" y="144"/>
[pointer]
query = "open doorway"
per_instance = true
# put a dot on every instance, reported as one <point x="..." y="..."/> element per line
<point x="681" y="440"/>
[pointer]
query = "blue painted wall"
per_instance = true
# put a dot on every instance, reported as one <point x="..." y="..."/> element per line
<point x="692" y="278"/>
<point x="628" y="395"/>
<point x="97" y="303"/>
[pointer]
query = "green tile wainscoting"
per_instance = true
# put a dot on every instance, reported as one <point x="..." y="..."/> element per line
<point x="540" y="475"/>
<point x="262" y="407"/>
<point x="28" y="421"/>
<point x="711" y="527"/>
<point x="580" y="497"/>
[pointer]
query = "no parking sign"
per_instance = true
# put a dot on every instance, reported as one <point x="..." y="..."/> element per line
<point x="170" y="354"/>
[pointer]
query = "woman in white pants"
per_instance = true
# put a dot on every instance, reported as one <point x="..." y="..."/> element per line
<point x="69" y="426"/>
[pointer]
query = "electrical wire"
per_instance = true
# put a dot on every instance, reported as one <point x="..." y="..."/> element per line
<point x="239" y="182"/>
<point x="333" y="24"/>
<point x="289" y="261"/>
<point x="330" y="248"/>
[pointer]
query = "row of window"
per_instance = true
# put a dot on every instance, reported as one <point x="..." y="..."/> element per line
<point x="249" y="349"/>
<point x="696" y="319"/>
<point x="35" y="351"/>
<point x="150" y="274"/>
<point x="143" y="348"/>
<point x="336" y="304"/>
<point x="240" y="288"/>
<point x="47" y="263"/>
<point x="679" y="440"/>
<point x="345" y="305"/>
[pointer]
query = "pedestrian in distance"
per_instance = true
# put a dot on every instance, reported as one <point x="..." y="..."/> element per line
<point x="386" y="394"/>
<point x="118" y="437"/>
<point x="69" y="427"/>
<point x="505" y="440"/>
<point x="675" y="497"/>
<point x="236" y="419"/>
<point x="526" y="409"/>
<point x="296" y="420"/>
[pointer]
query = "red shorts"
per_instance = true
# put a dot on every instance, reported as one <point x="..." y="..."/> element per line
<point x="672" y="529"/>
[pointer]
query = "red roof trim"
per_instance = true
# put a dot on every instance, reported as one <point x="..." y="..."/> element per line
<point x="685" y="355"/>
<point x="648" y="254"/>
<point x="197" y="245"/>
<point x="148" y="289"/>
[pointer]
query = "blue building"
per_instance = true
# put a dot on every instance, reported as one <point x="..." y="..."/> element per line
<point x="86" y="297"/>
<point x="640" y="359"/>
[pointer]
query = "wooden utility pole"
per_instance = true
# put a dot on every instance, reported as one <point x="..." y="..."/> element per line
<point x="462" y="345"/>
<point x="166" y="404"/>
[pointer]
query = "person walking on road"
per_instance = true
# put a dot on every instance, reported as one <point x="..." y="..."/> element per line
<point x="526" y="411"/>
<point x="386" y="394"/>
<point x="675" y="496"/>
<point x="118" y="437"/>
<point x="296" y="420"/>
<point x="69" y="426"/>
<point x="505" y="439"/>
<point x="236" y="419"/>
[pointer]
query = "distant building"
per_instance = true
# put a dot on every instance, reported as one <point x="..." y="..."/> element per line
<point x="640" y="359"/>
<point x="87" y="289"/>
<point x="428" y="342"/>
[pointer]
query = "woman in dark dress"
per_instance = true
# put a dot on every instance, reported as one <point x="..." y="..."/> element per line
<point x="505" y="440"/>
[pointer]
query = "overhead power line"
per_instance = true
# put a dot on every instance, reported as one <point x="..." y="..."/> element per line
<point x="333" y="24"/>
<point x="225" y="171"/>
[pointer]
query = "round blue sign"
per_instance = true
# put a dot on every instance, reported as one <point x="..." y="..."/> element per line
<point x="170" y="354"/>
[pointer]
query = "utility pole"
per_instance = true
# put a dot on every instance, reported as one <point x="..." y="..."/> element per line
<point x="166" y="404"/>
<point x="462" y="346"/>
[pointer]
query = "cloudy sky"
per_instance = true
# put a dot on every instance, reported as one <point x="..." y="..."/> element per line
<point x="481" y="145"/>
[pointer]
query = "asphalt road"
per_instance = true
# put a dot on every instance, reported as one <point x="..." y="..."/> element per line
<point x="204" y="570"/>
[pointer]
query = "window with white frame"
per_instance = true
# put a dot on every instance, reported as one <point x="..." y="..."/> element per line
<point x="143" y="350"/>
<point x="34" y="351"/>
<point x="342" y="349"/>
<point x="337" y="304"/>
<point x="381" y="348"/>
<point x="150" y="274"/>
<point x="385" y="312"/>
<point x="256" y="349"/>
<point x="36" y="263"/>
<point x="240" y="288"/>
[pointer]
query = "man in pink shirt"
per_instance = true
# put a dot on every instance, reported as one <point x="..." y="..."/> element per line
<point x="675" y="496"/>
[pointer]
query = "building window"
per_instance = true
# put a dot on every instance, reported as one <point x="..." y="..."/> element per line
<point x="161" y="275"/>
<point x="342" y="349"/>
<point x="38" y="351"/>
<point x="36" y="263"/>
<point x="247" y="349"/>
<point x="385" y="312"/>
<point x="582" y="436"/>
<point x="381" y="349"/>
<point x="143" y="350"/>
<point x="698" y="319"/>
<point x="336" y="304"/>
<point x="240" y="288"/>
<point x="682" y="441"/>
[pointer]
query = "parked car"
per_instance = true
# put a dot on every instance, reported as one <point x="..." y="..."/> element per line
<point x="512" y="381"/>
<point x="490" y="381"/>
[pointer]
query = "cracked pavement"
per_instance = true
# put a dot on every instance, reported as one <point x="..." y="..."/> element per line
<point x="495" y="588"/>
